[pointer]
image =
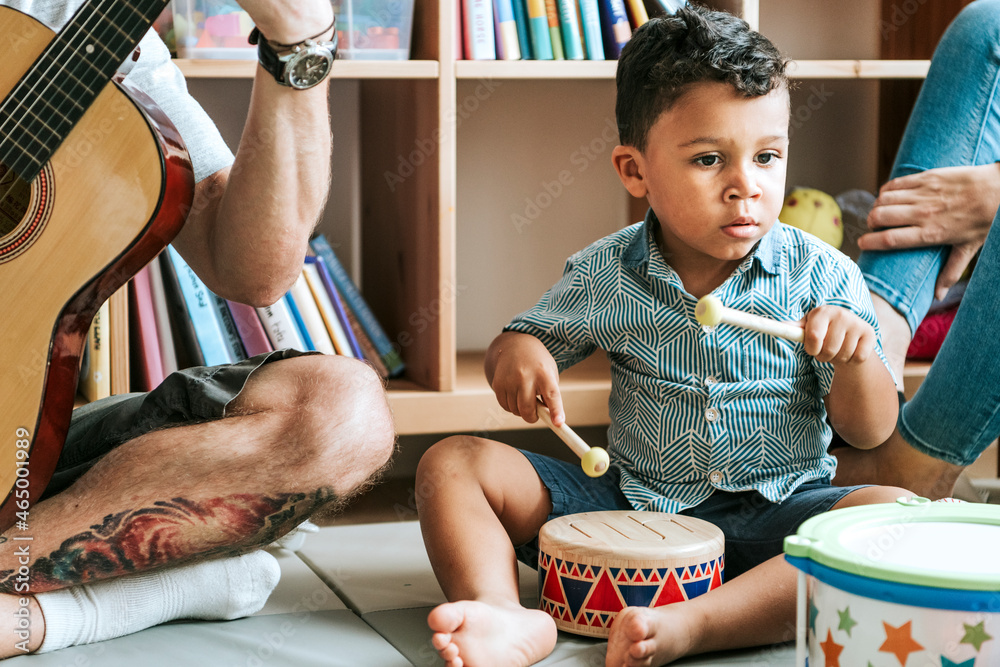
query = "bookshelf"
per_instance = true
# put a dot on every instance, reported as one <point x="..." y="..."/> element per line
<point x="442" y="154"/>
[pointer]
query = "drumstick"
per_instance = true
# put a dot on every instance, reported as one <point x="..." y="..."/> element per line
<point x="594" y="460"/>
<point x="710" y="312"/>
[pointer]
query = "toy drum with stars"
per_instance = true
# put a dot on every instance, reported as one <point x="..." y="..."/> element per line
<point x="907" y="583"/>
<point x="593" y="565"/>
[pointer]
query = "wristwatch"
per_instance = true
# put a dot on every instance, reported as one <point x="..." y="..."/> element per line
<point x="298" y="66"/>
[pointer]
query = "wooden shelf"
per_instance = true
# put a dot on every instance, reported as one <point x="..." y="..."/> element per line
<point x="605" y="69"/>
<point x="472" y="406"/>
<point x="342" y="69"/>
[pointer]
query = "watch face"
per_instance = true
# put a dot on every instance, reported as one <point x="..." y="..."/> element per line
<point x="310" y="68"/>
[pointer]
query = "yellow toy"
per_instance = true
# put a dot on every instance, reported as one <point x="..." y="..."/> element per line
<point x="814" y="212"/>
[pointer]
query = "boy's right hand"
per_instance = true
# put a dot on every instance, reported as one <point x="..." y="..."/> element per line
<point x="520" y="369"/>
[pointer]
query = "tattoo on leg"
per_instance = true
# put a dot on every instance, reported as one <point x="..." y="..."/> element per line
<point x="175" y="531"/>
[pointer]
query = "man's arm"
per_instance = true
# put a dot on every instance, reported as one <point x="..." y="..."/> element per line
<point x="249" y="226"/>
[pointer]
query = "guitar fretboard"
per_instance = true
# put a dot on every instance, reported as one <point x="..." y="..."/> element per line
<point x="45" y="105"/>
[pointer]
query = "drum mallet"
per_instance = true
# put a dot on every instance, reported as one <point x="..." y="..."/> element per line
<point x="710" y="312"/>
<point x="594" y="460"/>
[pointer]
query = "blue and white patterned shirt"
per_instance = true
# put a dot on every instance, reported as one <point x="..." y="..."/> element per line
<point x="692" y="409"/>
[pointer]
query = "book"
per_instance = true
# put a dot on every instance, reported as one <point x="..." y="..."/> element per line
<point x="181" y="327"/>
<point x="615" y="26"/>
<point x="300" y="326"/>
<point x="312" y="318"/>
<point x="368" y="351"/>
<point x="200" y="306"/>
<point x="332" y="307"/>
<point x="95" y="383"/>
<point x="521" y="21"/>
<point x="280" y="326"/>
<point x="161" y="311"/>
<point x="229" y="331"/>
<point x="334" y="327"/>
<point x="146" y="338"/>
<point x="636" y="12"/>
<point x="538" y="29"/>
<point x="480" y="39"/>
<point x="555" y="32"/>
<point x="590" y="20"/>
<point x="569" y="23"/>
<point x="354" y="301"/>
<point x="508" y="48"/>
<point x="118" y="340"/>
<point x="251" y="331"/>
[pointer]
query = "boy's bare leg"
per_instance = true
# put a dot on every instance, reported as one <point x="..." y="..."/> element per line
<point x="476" y="499"/>
<point x="305" y="433"/>
<point x="895" y="462"/>
<point x="755" y="608"/>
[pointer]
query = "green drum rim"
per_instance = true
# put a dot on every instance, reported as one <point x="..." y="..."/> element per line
<point x="818" y="539"/>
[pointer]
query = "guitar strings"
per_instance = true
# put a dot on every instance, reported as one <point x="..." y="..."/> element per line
<point x="114" y="16"/>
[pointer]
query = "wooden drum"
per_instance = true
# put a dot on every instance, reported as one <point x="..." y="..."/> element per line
<point x="593" y="565"/>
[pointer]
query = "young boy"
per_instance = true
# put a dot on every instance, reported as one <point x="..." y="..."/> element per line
<point x="727" y="425"/>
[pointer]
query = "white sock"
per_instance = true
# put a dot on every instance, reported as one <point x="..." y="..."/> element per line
<point x="221" y="589"/>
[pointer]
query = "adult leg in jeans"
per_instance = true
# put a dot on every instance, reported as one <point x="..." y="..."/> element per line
<point x="955" y="123"/>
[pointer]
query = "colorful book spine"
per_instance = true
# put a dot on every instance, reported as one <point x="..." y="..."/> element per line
<point x="353" y="300"/>
<point x="331" y="318"/>
<point x="280" y="326"/>
<point x="311" y="316"/>
<point x="368" y="351"/>
<point x="521" y="21"/>
<point x="185" y="340"/>
<point x="325" y="289"/>
<point x="590" y="19"/>
<point x="201" y="309"/>
<point x="480" y="39"/>
<point x="508" y="47"/>
<point x="298" y="323"/>
<point x="616" y="29"/>
<point x="251" y="331"/>
<point x="636" y="12"/>
<point x="118" y="340"/>
<point x="569" y="23"/>
<point x="161" y="308"/>
<point x="538" y="27"/>
<point x="229" y="330"/>
<point x="147" y="338"/>
<point x="555" y="33"/>
<point x="95" y="383"/>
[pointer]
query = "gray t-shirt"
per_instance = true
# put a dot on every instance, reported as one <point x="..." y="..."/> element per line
<point x="157" y="76"/>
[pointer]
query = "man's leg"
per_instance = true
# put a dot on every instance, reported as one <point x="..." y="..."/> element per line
<point x="303" y="435"/>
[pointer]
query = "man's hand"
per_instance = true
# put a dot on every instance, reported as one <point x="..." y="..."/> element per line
<point x="947" y="206"/>
<point x="290" y="21"/>
<point x="837" y="335"/>
<point x="519" y="369"/>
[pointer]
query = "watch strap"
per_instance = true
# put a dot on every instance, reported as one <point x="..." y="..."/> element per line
<point x="268" y="57"/>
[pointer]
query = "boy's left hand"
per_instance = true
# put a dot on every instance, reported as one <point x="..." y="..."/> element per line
<point x="837" y="335"/>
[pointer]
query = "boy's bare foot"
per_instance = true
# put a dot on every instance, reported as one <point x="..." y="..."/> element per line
<point x="644" y="637"/>
<point x="896" y="463"/>
<point x="471" y="634"/>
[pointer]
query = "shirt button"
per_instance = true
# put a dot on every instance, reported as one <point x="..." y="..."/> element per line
<point x="710" y="380"/>
<point x="715" y="477"/>
<point x="707" y="329"/>
<point x="712" y="415"/>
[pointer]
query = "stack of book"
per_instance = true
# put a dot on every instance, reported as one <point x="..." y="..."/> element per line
<point x="554" y="29"/>
<point x="170" y="320"/>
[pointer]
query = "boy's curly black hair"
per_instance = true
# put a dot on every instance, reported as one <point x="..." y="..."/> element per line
<point x="667" y="54"/>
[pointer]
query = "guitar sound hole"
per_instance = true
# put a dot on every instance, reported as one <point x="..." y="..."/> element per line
<point x="15" y="199"/>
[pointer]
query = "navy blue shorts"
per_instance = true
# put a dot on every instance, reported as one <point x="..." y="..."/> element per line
<point x="189" y="396"/>
<point x="754" y="527"/>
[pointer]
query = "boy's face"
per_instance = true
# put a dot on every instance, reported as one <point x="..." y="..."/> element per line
<point x="714" y="173"/>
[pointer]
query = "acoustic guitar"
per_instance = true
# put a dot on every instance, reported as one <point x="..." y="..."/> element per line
<point x="94" y="182"/>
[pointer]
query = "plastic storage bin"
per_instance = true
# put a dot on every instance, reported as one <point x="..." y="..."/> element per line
<point x="367" y="29"/>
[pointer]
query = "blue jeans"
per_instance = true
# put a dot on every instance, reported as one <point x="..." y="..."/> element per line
<point x="955" y="414"/>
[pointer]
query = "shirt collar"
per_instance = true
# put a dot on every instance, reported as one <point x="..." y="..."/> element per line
<point x="767" y="252"/>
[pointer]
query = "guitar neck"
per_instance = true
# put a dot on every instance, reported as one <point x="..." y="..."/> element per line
<point x="45" y="105"/>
